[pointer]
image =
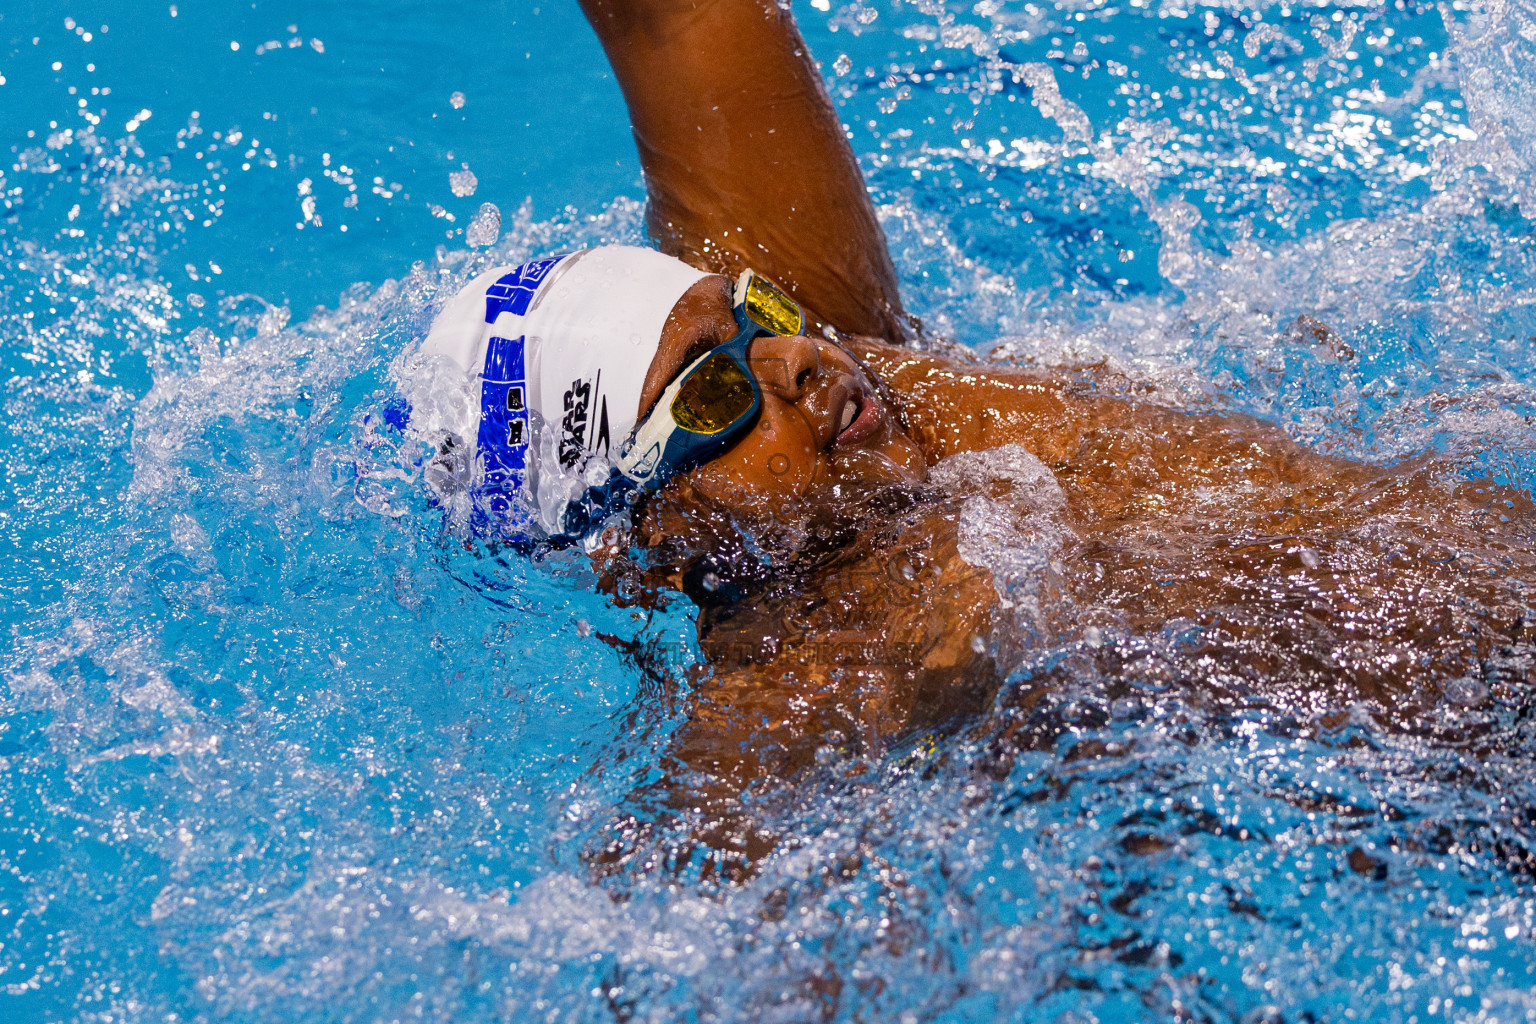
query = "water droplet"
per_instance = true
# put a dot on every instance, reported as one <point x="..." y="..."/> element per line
<point x="463" y="182"/>
<point x="485" y="228"/>
<point x="1469" y="693"/>
<point x="456" y="101"/>
<point x="842" y="65"/>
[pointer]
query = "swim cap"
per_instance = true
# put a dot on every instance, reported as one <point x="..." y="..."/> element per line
<point x="559" y="349"/>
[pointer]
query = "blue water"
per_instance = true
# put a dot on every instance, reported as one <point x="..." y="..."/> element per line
<point x="276" y="748"/>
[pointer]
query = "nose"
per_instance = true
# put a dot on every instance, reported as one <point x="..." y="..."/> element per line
<point x="785" y="367"/>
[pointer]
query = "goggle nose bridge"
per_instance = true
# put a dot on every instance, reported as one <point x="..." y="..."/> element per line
<point x="771" y="371"/>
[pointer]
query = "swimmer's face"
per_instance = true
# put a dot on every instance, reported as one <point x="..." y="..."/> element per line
<point x="823" y="421"/>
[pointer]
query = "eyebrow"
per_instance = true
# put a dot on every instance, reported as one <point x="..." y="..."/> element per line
<point x="707" y="339"/>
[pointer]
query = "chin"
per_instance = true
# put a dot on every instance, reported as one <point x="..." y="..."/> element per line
<point x="720" y="552"/>
<point x="866" y="467"/>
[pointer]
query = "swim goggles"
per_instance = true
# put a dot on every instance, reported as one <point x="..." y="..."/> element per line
<point x="706" y="408"/>
<point x="716" y="398"/>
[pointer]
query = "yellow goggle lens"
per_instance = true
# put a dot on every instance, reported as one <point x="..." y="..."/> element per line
<point x="769" y="307"/>
<point x="716" y="395"/>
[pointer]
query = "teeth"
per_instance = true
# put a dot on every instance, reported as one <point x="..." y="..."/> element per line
<point x="849" y="412"/>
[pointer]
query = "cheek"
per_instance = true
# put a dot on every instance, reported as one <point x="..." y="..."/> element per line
<point x="777" y="459"/>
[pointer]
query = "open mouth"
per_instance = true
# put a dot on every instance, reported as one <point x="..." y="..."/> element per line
<point x="860" y="419"/>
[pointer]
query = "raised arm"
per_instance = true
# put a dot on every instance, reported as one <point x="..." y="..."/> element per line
<point x="744" y="157"/>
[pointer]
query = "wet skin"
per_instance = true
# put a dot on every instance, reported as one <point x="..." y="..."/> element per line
<point x="1330" y="583"/>
<point x="745" y="160"/>
<point x="1314" y="579"/>
<point x="823" y="420"/>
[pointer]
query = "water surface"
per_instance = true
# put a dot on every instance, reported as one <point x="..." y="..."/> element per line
<point x="278" y="748"/>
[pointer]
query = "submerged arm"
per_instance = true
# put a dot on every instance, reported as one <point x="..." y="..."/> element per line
<point x="831" y="674"/>
<point x="745" y="160"/>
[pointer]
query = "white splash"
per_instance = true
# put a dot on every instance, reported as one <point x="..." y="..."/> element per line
<point x="485" y="228"/>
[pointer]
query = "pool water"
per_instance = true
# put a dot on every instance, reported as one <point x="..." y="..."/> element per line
<point x="276" y="747"/>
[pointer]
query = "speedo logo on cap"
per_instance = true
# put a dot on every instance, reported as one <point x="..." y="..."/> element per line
<point x="582" y="429"/>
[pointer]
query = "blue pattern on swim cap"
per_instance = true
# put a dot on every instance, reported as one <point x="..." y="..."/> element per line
<point x="505" y="436"/>
<point x="515" y="292"/>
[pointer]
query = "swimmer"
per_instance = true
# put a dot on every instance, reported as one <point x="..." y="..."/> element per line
<point x="752" y="410"/>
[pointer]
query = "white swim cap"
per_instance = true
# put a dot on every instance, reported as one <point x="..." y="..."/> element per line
<point x="559" y="348"/>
